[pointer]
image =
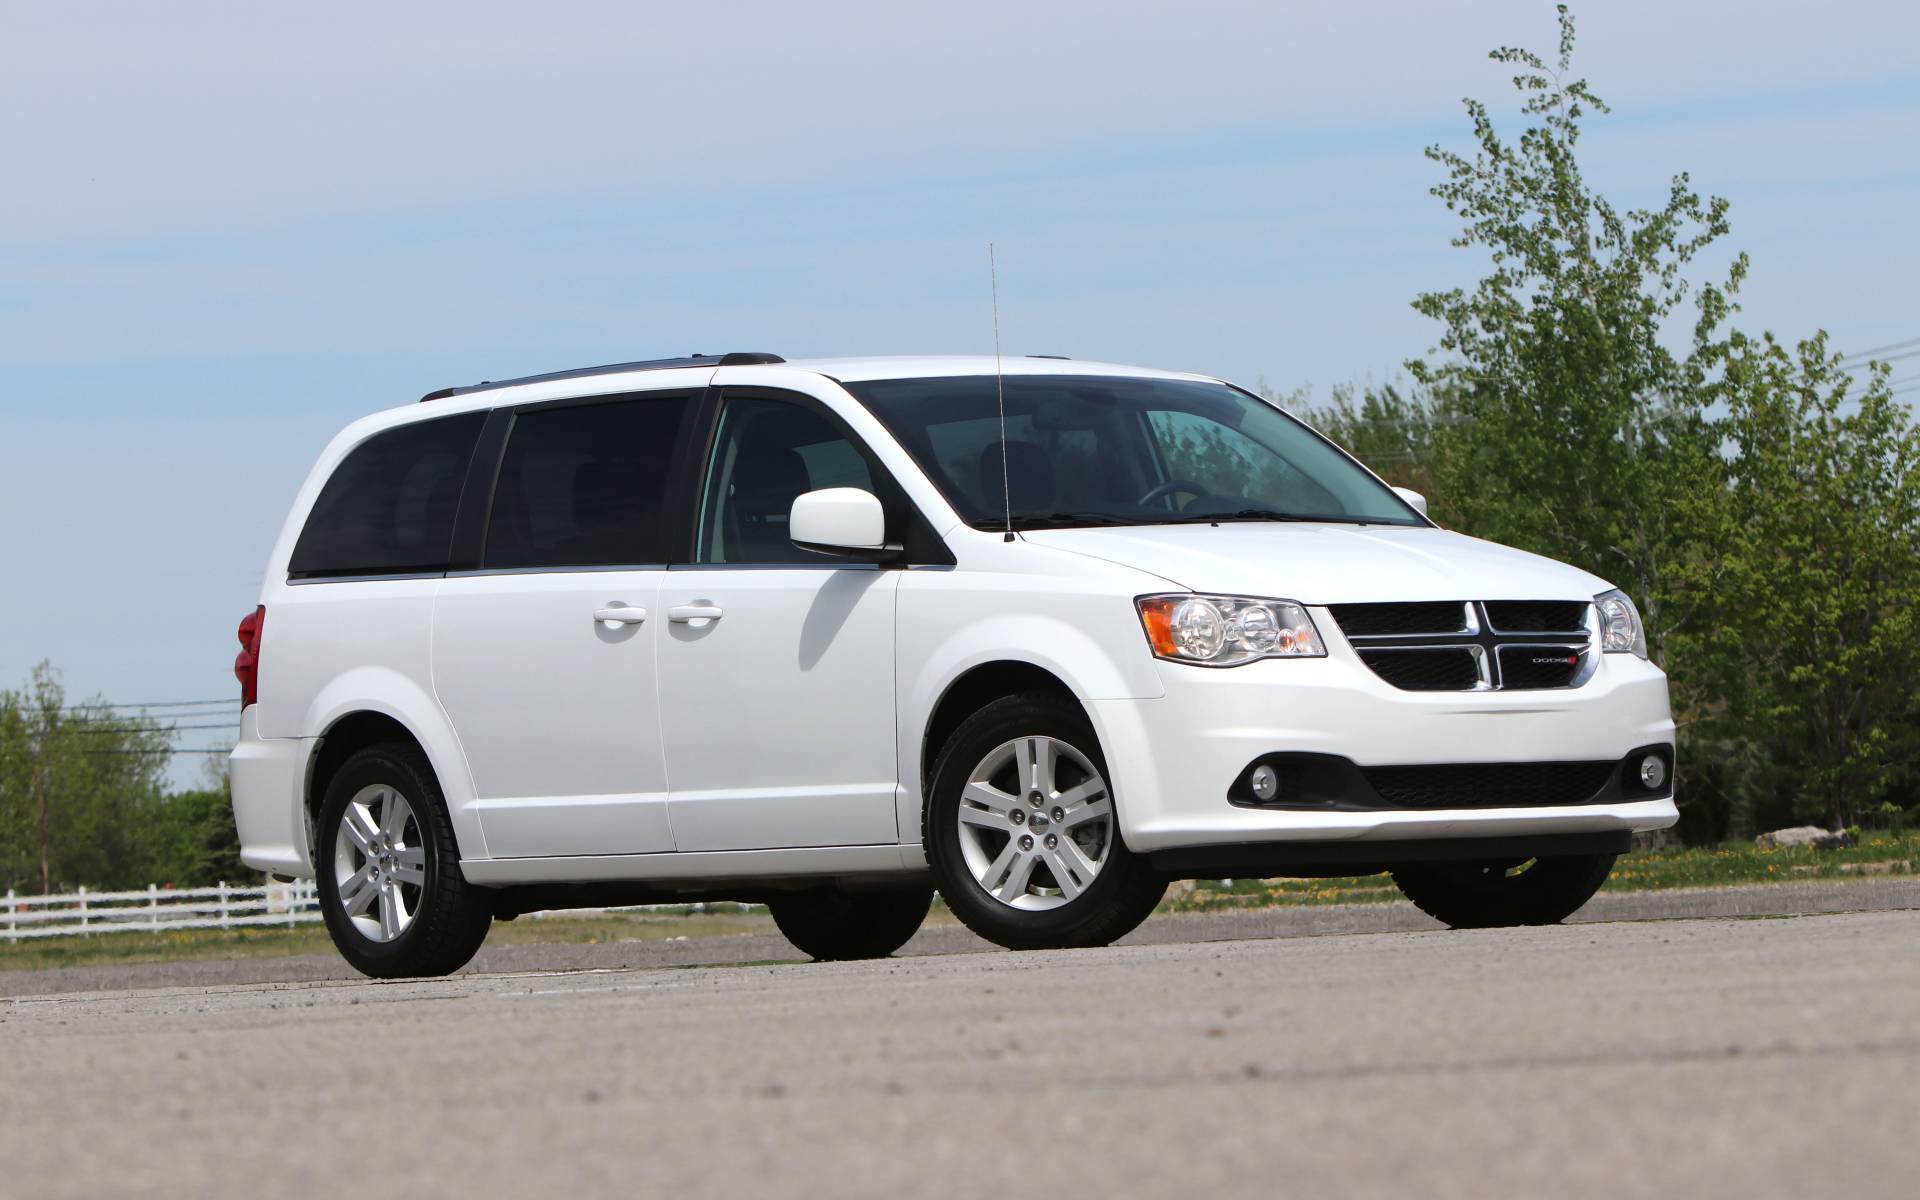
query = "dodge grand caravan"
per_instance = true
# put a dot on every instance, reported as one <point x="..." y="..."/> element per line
<point x="829" y="635"/>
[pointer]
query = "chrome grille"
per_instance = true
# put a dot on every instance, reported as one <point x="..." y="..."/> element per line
<point x="1472" y="645"/>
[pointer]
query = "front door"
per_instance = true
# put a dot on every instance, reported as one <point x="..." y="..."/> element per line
<point x="545" y="658"/>
<point x="776" y="663"/>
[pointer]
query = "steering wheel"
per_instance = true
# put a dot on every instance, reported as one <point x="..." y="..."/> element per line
<point x="1172" y="487"/>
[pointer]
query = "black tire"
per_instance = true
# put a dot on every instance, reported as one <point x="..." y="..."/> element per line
<point x="1121" y="895"/>
<point x="450" y="916"/>
<point x="837" y="924"/>
<point x="1488" y="895"/>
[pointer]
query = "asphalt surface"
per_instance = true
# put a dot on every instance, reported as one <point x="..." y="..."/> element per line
<point x="1696" y="1056"/>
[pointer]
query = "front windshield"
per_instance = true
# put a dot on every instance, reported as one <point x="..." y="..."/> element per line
<point x="1103" y="450"/>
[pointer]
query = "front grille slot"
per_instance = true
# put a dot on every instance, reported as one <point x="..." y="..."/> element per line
<point x="1446" y="669"/>
<point x="1378" y="620"/>
<point x="1537" y="616"/>
<point x="1490" y="785"/>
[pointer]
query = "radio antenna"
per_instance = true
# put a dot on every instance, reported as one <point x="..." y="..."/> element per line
<point x="1000" y="394"/>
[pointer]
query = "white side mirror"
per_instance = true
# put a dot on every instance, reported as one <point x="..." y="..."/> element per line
<point x="1412" y="497"/>
<point x="845" y="521"/>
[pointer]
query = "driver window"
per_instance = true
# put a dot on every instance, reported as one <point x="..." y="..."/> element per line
<point x="1228" y="463"/>
<point x="768" y="452"/>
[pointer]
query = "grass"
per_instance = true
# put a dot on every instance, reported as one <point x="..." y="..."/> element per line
<point x="1700" y="867"/>
<point x="1642" y="871"/>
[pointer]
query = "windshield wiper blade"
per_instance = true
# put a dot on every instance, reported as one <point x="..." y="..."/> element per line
<point x="1267" y="514"/>
<point x="1067" y="520"/>
<point x="1245" y="514"/>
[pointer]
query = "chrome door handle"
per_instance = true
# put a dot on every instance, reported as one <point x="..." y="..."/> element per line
<point x="619" y="614"/>
<point x="682" y="613"/>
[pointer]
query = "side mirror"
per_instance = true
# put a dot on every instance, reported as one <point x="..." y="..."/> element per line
<point x="1414" y="498"/>
<point x="846" y="522"/>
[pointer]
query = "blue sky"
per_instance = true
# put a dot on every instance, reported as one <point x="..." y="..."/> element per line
<point x="226" y="230"/>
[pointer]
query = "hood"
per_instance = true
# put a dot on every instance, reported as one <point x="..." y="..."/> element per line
<point x="1329" y="564"/>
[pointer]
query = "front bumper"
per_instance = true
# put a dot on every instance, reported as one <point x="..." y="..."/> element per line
<point x="1175" y="759"/>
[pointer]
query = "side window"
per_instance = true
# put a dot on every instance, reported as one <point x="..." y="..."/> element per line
<point x="585" y="486"/>
<point x="766" y="453"/>
<point x="1229" y="463"/>
<point x="388" y="508"/>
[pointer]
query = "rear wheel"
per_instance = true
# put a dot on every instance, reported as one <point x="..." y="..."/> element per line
<point x="1484" y="895"/>
<point x="1022" y="835"/>
<point x="833" y="924"/>
<point x="388" y="869"/>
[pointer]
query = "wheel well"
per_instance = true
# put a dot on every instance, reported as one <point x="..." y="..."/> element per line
<point x="345" y="737"/>
<point x="975" y="690"/>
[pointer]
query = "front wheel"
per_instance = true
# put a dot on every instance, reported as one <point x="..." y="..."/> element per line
<point x="388" y="869"/>
<point x="1022" y="835"/>
<point x="836" y="924"/>
<point x="1486" y="895"/>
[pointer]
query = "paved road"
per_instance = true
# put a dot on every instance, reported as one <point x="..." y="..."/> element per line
<point x="1694" y="1057"/>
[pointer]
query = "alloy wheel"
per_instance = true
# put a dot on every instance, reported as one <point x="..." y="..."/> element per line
<point x="1036" y="823"/>
<point x="379" y="863"/>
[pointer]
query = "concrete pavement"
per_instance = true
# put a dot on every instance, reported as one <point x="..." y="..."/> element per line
<point x="1699" y="1057"/>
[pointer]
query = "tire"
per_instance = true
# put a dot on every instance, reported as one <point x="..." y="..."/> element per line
<point x="835" y="924"/>
<point x="1033" y="911"/>
<point x="1470" y="895"/>
<point x="408" y="910"/>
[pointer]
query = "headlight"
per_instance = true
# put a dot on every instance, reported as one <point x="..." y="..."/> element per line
<point x="1225" y="631"/>
<point x="1620" y="629"/>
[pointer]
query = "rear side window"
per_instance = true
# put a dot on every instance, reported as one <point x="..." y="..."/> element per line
<point x="585" y="486"/>
<point x="388" y="508"/>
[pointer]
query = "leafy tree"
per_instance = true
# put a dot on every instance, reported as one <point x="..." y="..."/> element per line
<point x="77" y="784"/>
<point x="1590" y="402"/>
<point x="1572" y="428"/>
<point x="1816" y="644"/>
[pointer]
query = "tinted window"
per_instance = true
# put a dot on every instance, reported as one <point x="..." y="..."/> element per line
<point x="1094" y="450"/>
<point x="767" y="453"/>
<point x="388" y="509"/>
<point x="585" y="486"/>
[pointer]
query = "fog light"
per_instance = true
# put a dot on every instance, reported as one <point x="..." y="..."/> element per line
<point x="1653" y="771"/>
<point x="1265" y="782"/>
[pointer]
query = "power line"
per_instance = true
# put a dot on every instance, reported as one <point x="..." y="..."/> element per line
<point x="198" y="750"/>
<point x="229" y="700"/>
<point x="1880" y="350"/>
<point x="93" y="727"/>
<point x="1891" y="358"/>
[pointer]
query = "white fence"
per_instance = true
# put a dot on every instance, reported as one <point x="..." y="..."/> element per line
<point x="156" y="909"/>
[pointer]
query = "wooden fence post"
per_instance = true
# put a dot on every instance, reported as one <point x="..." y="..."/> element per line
<point x="153" y="905"/>
<point x="83" y="906"/>
<point x="12" y="921"/>
<point x="223" y="905"/>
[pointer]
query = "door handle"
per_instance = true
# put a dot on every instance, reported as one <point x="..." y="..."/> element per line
<point x="683" y="613"/>
<point x="619" y="614"/>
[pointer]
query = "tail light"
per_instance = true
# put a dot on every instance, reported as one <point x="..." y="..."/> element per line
<point x="246" y="665"/>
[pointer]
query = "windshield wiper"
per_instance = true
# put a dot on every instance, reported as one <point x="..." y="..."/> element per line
<point x="1264" y="514"/>
<point x="1068" y="520"/>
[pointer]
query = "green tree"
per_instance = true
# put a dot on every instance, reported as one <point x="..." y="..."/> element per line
<point x="1816" y="645"/>
<point x="77" y="786"/>
<point x="1588" y="401"/>
<point x="1571" y="427"/>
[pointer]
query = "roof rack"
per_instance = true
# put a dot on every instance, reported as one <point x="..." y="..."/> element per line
<point x="738" y="358"/>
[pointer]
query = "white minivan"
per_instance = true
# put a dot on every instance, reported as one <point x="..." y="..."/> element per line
<point x="830" y="635"/>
